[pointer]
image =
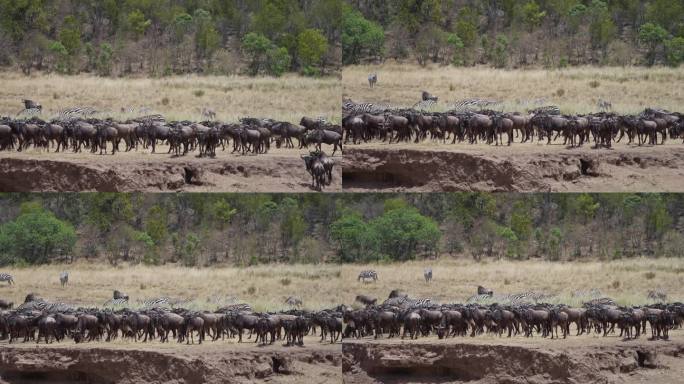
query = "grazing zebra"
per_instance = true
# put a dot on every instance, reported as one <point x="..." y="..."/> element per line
<point x="242" y="307"/>
<point x="293" y="301"/>
<point x="372" y="79"/>
<point x="546" y="110"/>
<point x="425" y="105"/>
<point x="155" y="302"/>
<point x="427" y="274"/>
<point x="657" y="295"/>
<point x="75" y="112"/>
<point x="479" y="298"/>
<point x="115" y="302"/>
<point x="604" y="105"/>
<point x="418" y="303"/>
<point x="6" y="277"/>
<point x="208" y="114"/>
<point x="601" y="301"/>
<point x="473" y="104"/>
<point x="64" y="278"/>
<point x="371" y="275"/>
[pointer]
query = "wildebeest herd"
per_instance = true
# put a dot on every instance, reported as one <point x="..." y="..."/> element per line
<point x="363" y="122"/>
<point x="37" y="320"/>
<point x="249" y="136"/>
<point x="521" y="314"/>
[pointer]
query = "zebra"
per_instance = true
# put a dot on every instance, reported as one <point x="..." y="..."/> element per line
<point x="427" y="96"/>
<point x="68" y="114"/>
<point x="367" y="275"/>
<point x="418" y="303"/>
<point x="372" y="79"/>
<point x="155" y="302"/>
<point x="242" y="307"/>
<point x="593" y="292"/>
<point x="657" y="295"/>
<point x="119" y="295"/>
<point x="64" y="278"/>
<point x="546" y="110"/>
<point x="208" y="114"/>
<point x="472" y="104"/>
<point x="479" y="298"/>
<point x="600" y="301"/>
<point x="425" y="105"/>
<point x="116" y="302"/>
<point x="604" y="105"/>
<point x="427" y="274"/>
<point x="293" y="301"/>
<point x="6" y="277"/>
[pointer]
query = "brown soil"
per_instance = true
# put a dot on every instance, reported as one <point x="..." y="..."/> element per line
<point x="431" y="167"/>
<point x="281" y="170"/>
<point x="484" y="360"/>
<point x="219" y="362"/>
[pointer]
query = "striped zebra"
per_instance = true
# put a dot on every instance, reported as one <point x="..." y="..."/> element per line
<point x="604" y="105"/>
<point x="372" y="79"/>
<point x="427" y="274"/>
<point x="601" y="301"/>
<point x="475" y="104"/>
<point x="208" y="114"/>
<point x="657" y="295"/>
<point x="425" y="105"/>
<point x="418" y="303"/>
<point x="116" y="302"/>
<point x="479" y="298"/>
<point x="242" y="307"/>
<point x="293" y="301"/>
<point x="6" y="277"/>
<point x="64" y="278"/>
<point x="546" y="110"/>
<point x="395" y="301"/>
<point x="154" y="302"/>
<point x="368" y="275"/>
<point x="67" y="114"/>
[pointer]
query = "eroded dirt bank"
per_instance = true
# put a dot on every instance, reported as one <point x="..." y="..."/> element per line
<point x="279" y="171"/>
<point x="507" y="362"/>
<point x="520" y="168"/>
<point x="175" y="364"/>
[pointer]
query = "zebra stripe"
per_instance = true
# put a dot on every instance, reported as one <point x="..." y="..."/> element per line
<point x="368" y="275"/>
<point x="6" y="277"/>
<point x="115" y="302"/>
<point x="155" y="302"/>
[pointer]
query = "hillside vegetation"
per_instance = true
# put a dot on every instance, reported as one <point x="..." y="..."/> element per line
<point x="231" y="229"/>
<point x="511" y="33"/>
<point x="165" y="37"/>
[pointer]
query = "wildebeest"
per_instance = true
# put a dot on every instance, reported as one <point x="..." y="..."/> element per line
<point x="64" y="278"/>
<point x="427" y="274"/>
<point x="372" y="79"/>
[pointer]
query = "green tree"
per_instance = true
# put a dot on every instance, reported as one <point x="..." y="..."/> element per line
<point x="532" y="15"/>
<point x="456" y="45"/>
<point x="279" y="61"/>
<point x="360" y="38"/>
<point x="35" y="236"/>
<point x="137" y="23"/>
<point x="207" y="37"/>
<point x="500" y="54"/>
<point x="674" y="49"/>
<point x="602" y="29"/>
<point x="355" y="239"/>
<point x="104" y="60"/>
<point x="403" y="232"/>
<point x="60" y="56"/>
<point x="667" y="13"/>
<point x="222" y="212"/>
<point x="652" y="35"/>
<point x="156" y="224"/>
<point x="256" y="47"/>
<point x="311" y="47"/>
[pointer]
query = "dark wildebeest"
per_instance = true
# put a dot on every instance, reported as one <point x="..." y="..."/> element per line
<point x="366" y="300"/>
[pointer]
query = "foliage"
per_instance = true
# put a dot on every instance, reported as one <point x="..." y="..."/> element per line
<point x="652" y="35"/>
<point x="361" y="38"/>
<point x="311" y="47"/>
<point x="675" y="51"/>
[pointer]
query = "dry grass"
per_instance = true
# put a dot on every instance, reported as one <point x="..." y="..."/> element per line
<point x="626" y="281"/>
<point x="260" y="286"/>
<point x="575" y="90"/>
<point x="182" y="97"/>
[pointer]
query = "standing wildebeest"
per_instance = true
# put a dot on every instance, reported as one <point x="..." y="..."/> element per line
<point x="316" y="169"/>
<point x="366" y="300"/>
<point x="119" y="295"/>
<point x="4" y="304"/>
<point x="427" y="274"/>
<point x="426" y="96"/>
<point x="372" y="79"/>
<point x="64" y="278"/>
<point x="484" y="291"/>
<point x="324" y="136"/>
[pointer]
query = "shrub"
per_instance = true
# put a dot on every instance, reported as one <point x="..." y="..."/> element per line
<point x="285" y="282"/>
<point x="649" y="275"/>
<point x="198" y="93"/>
<point x="594" y="84"/>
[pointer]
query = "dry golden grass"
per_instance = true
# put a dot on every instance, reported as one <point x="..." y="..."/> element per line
<point x="574" y="90"/>
<point x="181" y="97"/>
<point x="626" y="281"/>
<point x="265" y="287"/>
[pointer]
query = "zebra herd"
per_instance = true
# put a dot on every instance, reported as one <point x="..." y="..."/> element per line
<point x="63" y="278"/>
<point x="249" y="136"/>
<point x="39" y="320"/>
<point x="471" y="122"/>
<point x="524" y="314"/>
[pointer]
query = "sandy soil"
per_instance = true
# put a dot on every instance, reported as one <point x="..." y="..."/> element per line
<point x="529" y="167"/>
<point x="281" y="170"/>
<point x="489" y="359"/>
<point x="211" y="362"/>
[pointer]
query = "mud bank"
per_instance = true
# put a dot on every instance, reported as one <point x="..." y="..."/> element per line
<point x="516" y="169"/>
<point x="152" y="173"/>
<point x="104" y="365"/>
<point x="456" y="362"/>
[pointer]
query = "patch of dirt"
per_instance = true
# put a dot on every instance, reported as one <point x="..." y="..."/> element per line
<point x="430" y="167"/>
<point x="582" y="360"/>
<point x="170" y="363"/>
<point x="280" y="170"/>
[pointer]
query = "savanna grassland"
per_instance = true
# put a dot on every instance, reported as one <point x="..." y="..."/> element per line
<point x="286" y="98"/>
<point x="574" y="90"/>
<point x="264" y="287"/>
<point x="626" y="281"/>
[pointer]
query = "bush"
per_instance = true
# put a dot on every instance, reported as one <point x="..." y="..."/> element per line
<point x="674" y="49"/>
<point x="594" y="84"/>
<point x="198" y="93"/>
<point x="649" y="275"/>
<point x="285" y="282"/>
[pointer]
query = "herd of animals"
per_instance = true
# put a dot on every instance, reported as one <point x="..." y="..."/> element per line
<point x="39" y="321"/>
<point x="78" y="133"/>
<point x="364" y="122"/>
<point x="524" y="314"/>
